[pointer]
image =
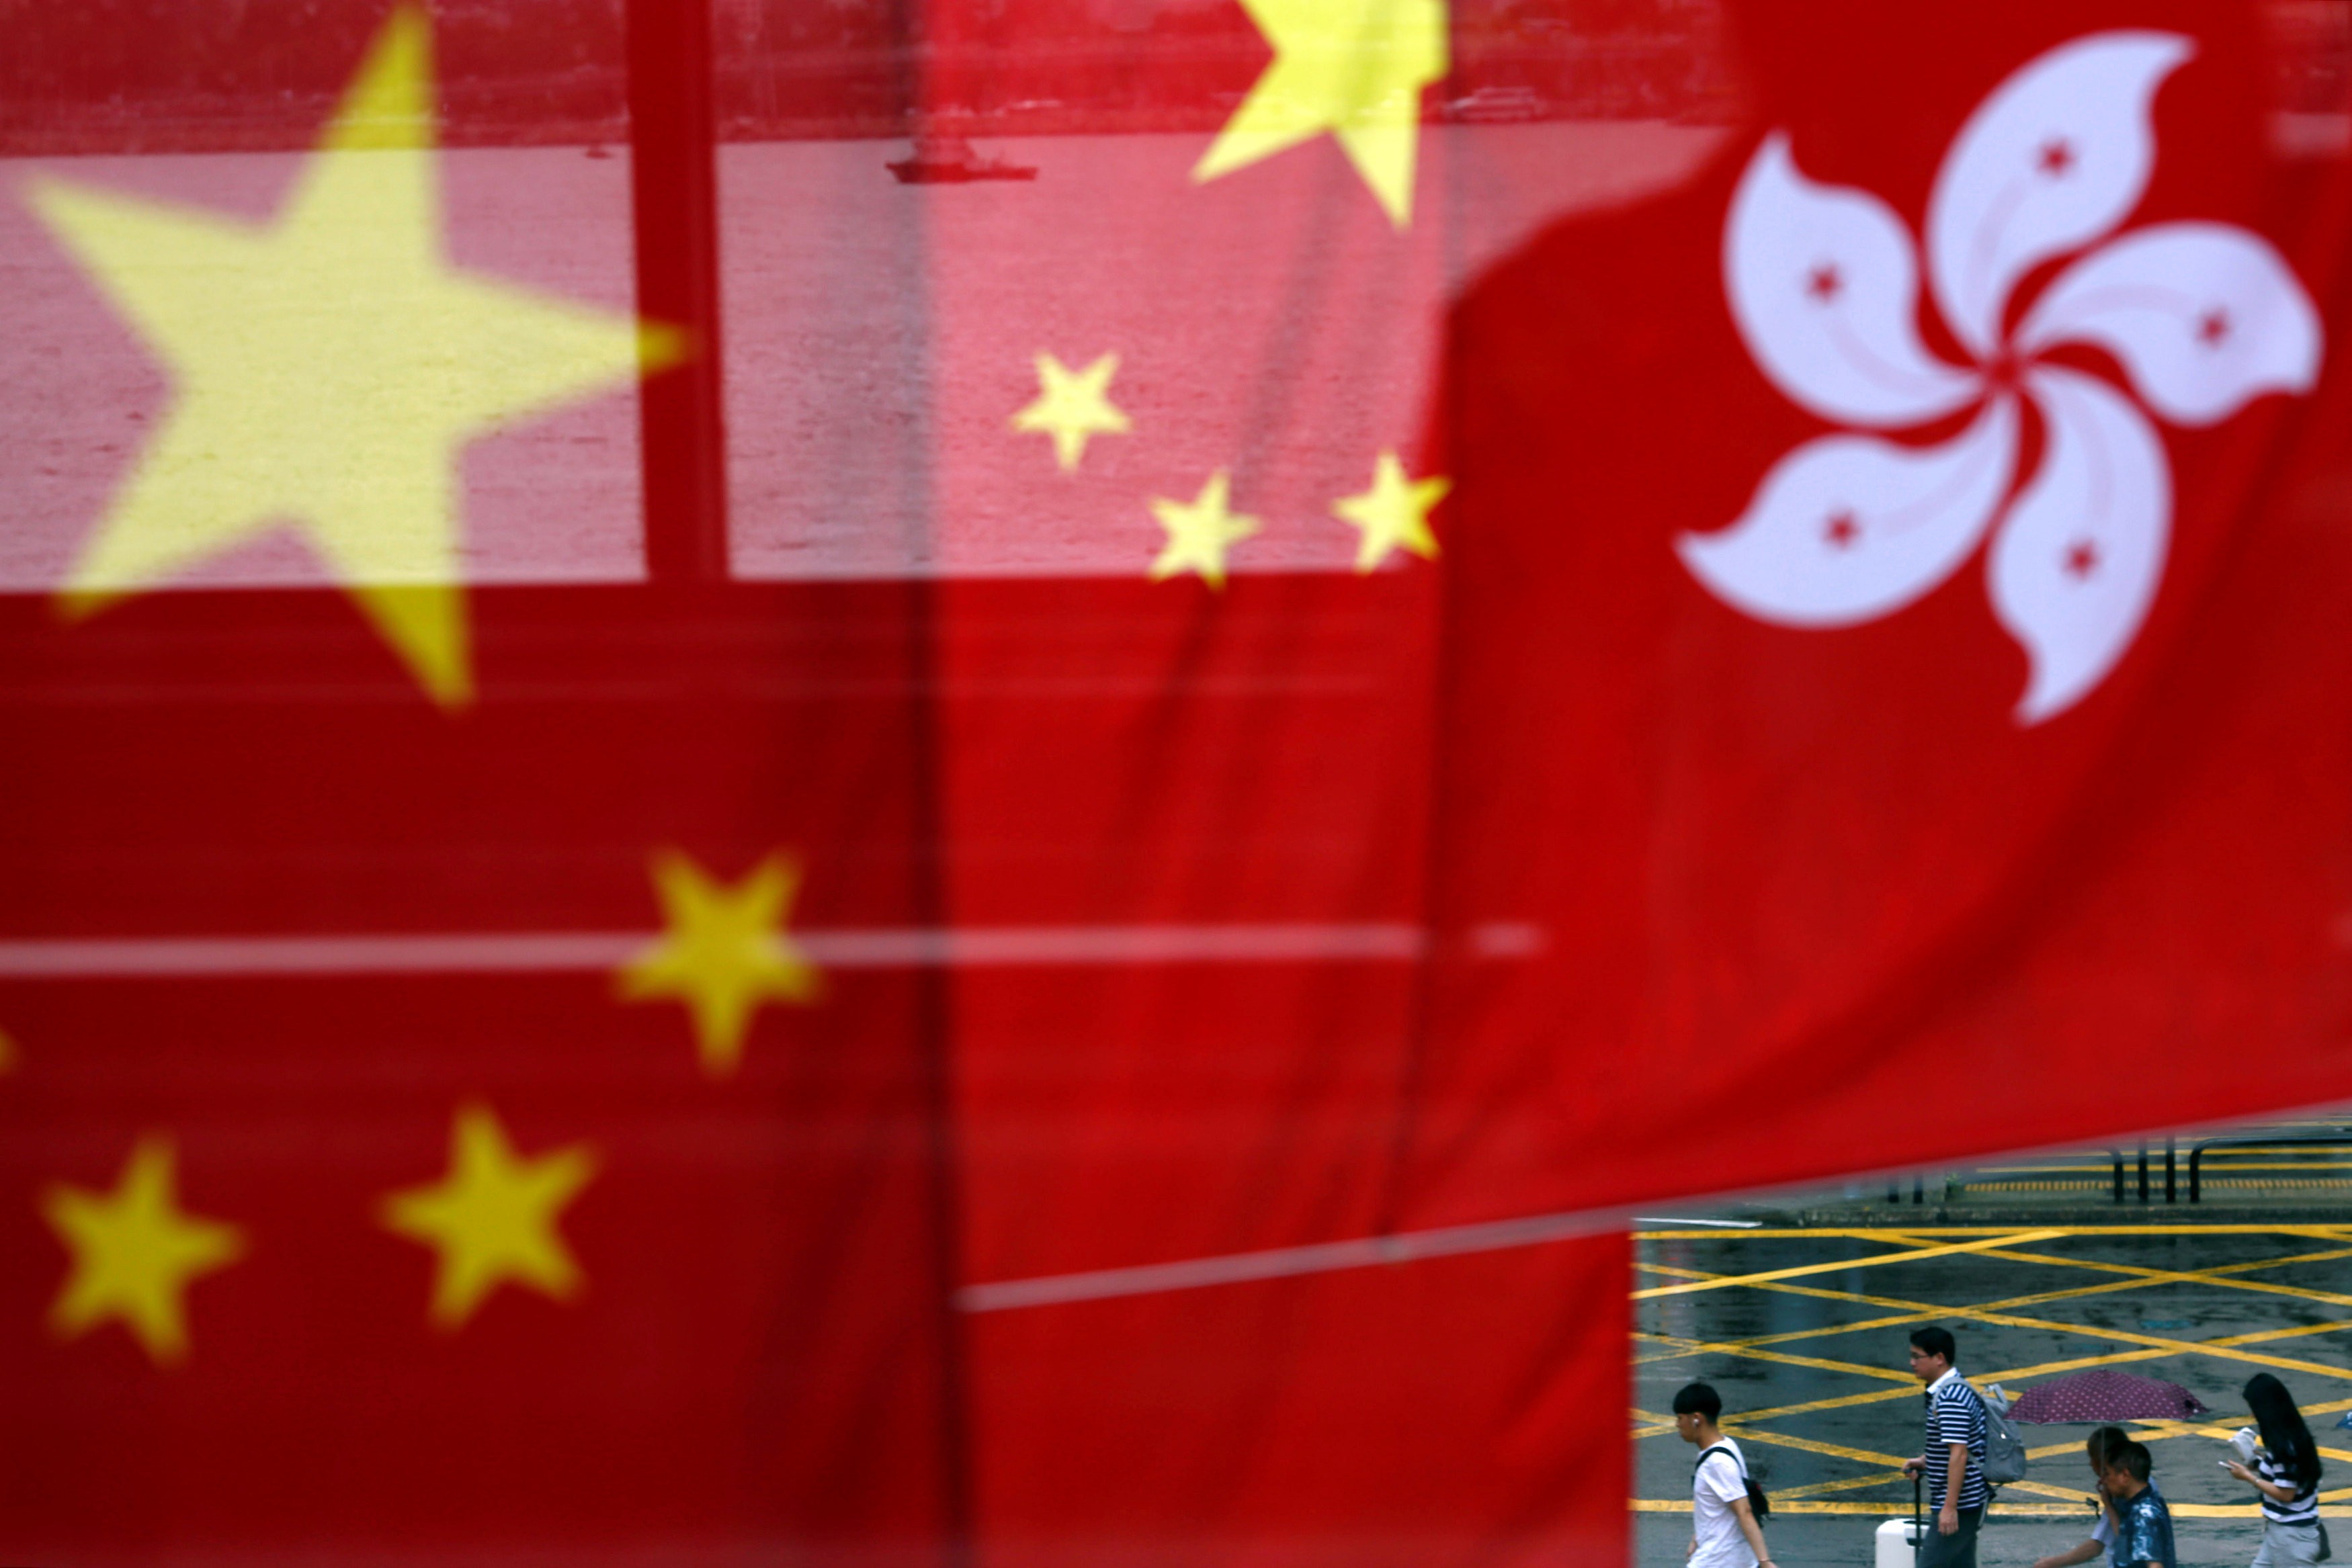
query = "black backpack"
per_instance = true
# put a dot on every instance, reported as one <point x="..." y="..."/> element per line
<point x="1758" y="1503"/>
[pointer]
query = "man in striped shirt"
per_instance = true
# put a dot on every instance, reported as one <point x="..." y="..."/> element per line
<point x="1954" y="1458"/>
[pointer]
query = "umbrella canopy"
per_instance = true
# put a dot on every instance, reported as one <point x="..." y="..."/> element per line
<point x="2104" y="1396"/>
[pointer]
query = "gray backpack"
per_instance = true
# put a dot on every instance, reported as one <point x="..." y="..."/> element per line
<point x="2004" y="1456"/>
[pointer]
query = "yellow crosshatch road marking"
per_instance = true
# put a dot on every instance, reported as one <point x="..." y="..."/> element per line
<point x="2104" y="1287"/>
<point x="1721" y="1282"/>
<point x="1994" y="1243"/>
<point x="1899" y="1233"/>
<point x="2158" y="1348"/>
<point x="2337" y="1234"/>
<point x="2175" y="1276"/>
<point x="1899" y="1319"/>
<point x="1881" y="1396"/>
<point x="2226" y="1348"/>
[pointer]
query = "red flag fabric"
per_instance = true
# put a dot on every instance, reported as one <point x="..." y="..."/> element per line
<point x="1890" y="669"/>
<point x="385" y="925"/>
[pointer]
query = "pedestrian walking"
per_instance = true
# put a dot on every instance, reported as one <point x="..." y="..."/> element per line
<point x="2099" y="1447"/>
<point x="2286" y="1470"/>
<point x="1724" y="1531"/>
<point x="2143" y="1523"/>
<point x="1953" y="1459"/>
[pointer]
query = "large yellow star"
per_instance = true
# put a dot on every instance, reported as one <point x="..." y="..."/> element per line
<point x="328" y="367"/>
<point x="1393" y="514"/>
<point x="1354" y="67"/>
<point x="1200" y="534"/>
<point x="492" y="1219"/>
<point x="725" y="952"/>
<point x="134" y="1253"/>
<point x="1073" y="405"/>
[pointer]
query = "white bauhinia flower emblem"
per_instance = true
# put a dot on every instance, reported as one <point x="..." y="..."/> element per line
<point x="2202" y="316"/>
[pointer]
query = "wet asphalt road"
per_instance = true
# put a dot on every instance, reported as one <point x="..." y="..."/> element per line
<point x="1820" y="1393"/>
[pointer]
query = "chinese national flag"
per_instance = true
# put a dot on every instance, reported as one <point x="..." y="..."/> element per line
<point x="384" y="1047"/>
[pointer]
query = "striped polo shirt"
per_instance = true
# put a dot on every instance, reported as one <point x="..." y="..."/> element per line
<point x="1955" y="1415"/>
<point x="2303" y="1510"/>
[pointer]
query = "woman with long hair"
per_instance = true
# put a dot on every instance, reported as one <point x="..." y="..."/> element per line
<point x="2286" y="1472"/>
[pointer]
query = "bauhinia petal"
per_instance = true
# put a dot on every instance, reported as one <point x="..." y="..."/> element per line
<point x="1847" y="528"/>
<point x="2074" y="565"/>
<point x="2056" y="156"/>
<point x="2204" y="317"/>
<point x="1824" y="289"/>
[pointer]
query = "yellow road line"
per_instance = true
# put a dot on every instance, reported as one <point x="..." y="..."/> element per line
<point x="2177" y="1277"/>
<point x="2075" y="1495"/>
<point x="1851" y="1483"/>
<point x="2038" y="1299"/>
<point x="2314" y="1230"/>
<point x="1891" y="1510"/>
<point x="2225" y="1349"/>
<point x="1897" y="1478"/>
<point x="2190" y="1277"/>
<point x="1913" y="1238"/>
<point x="2104" y="1287"/>
<point x="2264" y="1336"/>
<point x="2011" y="1238"/>
<point x="1923" y="1314"/>
<point x="1893" y="1474"/>
<point x="2041" y="1369"/>
<point x="2159" y="1276"/>
<point x="1747" y="1434"/>
<point x="1926" y="1313"/>
<point x="1697" y="1346"/>
<point x="1880" y="1395"/>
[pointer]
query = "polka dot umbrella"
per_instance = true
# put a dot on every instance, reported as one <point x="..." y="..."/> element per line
<point x="2106" y="1396"/>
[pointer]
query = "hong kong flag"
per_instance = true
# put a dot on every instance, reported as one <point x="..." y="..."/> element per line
<point x="1895" y="697"/>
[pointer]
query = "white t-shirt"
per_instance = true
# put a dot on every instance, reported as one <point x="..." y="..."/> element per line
<point x="1721" y="1478"/>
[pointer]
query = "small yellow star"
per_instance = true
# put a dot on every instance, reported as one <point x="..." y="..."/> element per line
<point x="136" y="1252"/>
<point x="1073" y="405"/>
<point x="725" y="952"/>
<point x="328" y="367"/>
<point x="492" y="1219"/>
<point x="1393" y="514"/>
<point x="1198" y="535"/>
<point x="1354" y="67"/>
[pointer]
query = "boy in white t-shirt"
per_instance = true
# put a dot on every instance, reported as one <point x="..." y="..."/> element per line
<point x="1724" y="1531"/>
